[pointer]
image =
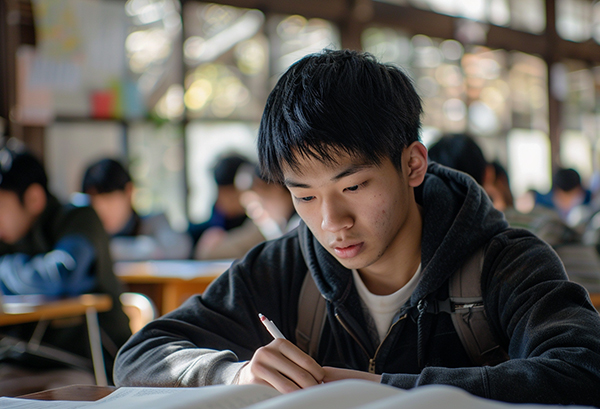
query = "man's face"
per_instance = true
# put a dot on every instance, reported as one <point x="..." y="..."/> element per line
<point x="114" y="209"/>
<point x="364" y="215"/>
<point x="566" y="200"/>
<point x="228" y="201"/>
<point x="15" y="218"/>
<point x="274" y="199"/>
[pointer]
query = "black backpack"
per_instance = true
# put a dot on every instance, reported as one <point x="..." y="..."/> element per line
<point x="464" y="304"/>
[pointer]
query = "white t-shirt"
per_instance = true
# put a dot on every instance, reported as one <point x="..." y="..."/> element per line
<point x="383" y="308"/>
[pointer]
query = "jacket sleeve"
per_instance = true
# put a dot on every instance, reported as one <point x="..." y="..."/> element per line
<point x="63" y="271"/>
<point x="210" y="337"/>
<point x="547" y="324"/>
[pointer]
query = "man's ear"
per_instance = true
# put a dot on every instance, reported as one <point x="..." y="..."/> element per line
<point x="489" y="175"/>
<point x="129" y="190"/>
<point x="35" y="199"/>
<point x="416" y="163"/>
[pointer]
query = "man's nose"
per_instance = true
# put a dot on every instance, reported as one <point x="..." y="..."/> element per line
<point x="335" y="216"/>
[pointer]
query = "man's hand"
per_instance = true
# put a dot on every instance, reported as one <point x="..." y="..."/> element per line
<point x="283" y="366"/>
<point x="337" y="374"/>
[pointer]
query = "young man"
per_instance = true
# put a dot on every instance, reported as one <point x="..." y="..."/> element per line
<point x="55" y="250"/>
<point x="110" y="188"/>
<point x="382" y="233"/>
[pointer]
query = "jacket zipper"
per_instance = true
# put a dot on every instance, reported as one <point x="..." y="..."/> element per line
<point x="351" y="333"/>
<point x="372" y="361"/>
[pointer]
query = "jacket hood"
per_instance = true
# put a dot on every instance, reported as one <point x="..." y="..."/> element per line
<point x="458" y="218"/>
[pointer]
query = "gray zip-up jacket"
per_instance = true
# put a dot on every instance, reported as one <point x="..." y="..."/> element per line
<point x="546" y="324"/>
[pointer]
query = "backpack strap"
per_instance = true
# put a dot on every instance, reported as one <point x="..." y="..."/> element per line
<point x="468" y="313"/>
<point x="465" y="307"/>
<point x="311" y="316"/>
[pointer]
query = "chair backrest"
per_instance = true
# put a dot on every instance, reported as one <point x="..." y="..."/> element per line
<point x="139" y="308"/>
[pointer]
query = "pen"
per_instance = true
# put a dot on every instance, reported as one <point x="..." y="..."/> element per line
<point x="272" y="328"/>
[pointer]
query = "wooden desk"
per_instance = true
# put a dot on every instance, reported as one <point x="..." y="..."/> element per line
<point x="20" y="309"/>
<point x="88" y="393"/>
<point x="169" y="282"/>
<point x="595" y="297"/>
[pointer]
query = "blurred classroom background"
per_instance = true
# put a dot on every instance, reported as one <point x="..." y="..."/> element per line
<point x="171" y="87"/>
<point x="167" y="86"/>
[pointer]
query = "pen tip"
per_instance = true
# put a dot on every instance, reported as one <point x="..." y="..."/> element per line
<point x="262" y="317"/>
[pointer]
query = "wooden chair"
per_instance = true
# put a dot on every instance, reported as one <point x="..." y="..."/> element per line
<point x="139" y="308"/>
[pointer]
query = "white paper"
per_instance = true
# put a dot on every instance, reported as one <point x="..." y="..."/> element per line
<point x="336" y="395"/>
<point x="18" y="403"/>
<point x="207" y="397"/>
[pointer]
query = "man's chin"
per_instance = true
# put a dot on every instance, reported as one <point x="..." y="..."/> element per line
<point x="354" y="263"/>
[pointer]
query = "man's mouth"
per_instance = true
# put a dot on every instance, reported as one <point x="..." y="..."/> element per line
<point x="348" y="251"/>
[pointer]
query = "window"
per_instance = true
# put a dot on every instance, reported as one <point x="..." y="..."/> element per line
<point x="524" y="15"/>
<point x="152" y="49"/>
<point x="576" y="85"/>
<point x="226" y="55"/>
<point x="574" y="19"/>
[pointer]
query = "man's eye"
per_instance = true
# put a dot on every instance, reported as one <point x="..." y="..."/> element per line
<point x="305" y="198"/>
<point x="356" y="187"/>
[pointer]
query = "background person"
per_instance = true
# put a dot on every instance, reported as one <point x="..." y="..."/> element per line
<point x="504" y="199"/>
<point x="568" y="198"/>
<point x="578" y="256"/>
<point x="227" y="211"/>
<point x="55" y="250"/>
<point x="270" y="214"/>
<point x="133" y="237"/>
<point x="461" y="152"/>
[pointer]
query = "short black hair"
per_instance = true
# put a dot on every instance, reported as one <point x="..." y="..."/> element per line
<point x="460" y="152"/>
<point x="105" y="176"/>
<point x="566" y="179"/>
<point x="19" y="170"/>
<point x="226" y="168"/>
<point x="338" y="101"/>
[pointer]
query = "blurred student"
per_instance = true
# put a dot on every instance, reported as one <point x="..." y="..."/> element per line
<point x="579" y="254"/>
<point x="461" y="152"/>
<point x="568" y="198"/>
<point x="270" y="213"/>
<point x="270" y="207"/>
<point x="504" y="198"/>
<point x="227" y="211"/>
<point x="133" y="237"/>
<point x="54" y="250"/>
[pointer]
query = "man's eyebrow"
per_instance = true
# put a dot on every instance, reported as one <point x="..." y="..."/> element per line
<point x="290" y="183"/>
<point x="350" y="170"/>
